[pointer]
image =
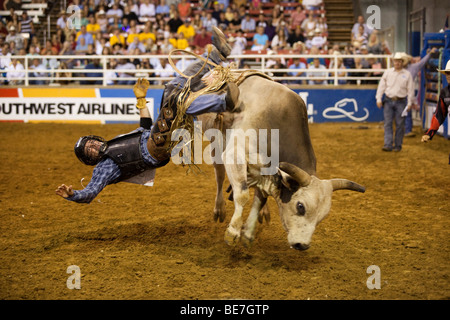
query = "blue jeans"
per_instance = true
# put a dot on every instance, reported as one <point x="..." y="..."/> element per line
<point x="392" y="111"/>
<point x="408" y="122"/>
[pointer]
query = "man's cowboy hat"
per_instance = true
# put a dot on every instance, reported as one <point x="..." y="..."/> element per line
<point x="398" y="56"/>
<point x="447" y="68"/>
<point x="406" y="59"/>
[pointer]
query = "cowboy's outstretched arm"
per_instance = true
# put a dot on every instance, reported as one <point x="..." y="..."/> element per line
<point x="140" y="91"/>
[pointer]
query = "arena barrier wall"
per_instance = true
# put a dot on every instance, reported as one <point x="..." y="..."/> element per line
<point x="117" y="105"/>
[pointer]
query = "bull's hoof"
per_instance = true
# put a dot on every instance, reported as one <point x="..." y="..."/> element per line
<point x="264" y="214"/>
<point x="220" y="214"/>
<point x="247" y="241"/>
<point x="231" y="238"/>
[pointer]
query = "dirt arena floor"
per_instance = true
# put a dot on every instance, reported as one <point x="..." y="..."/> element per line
<point x="135" y="242"/>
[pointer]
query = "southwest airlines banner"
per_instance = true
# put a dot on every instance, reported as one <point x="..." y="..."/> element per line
<point x="119" y="105"/>
<point x="74" y="105"/>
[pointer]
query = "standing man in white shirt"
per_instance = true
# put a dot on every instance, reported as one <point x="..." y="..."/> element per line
<point x="397" y="86"/>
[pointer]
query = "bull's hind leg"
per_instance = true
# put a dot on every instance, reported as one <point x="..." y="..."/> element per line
<point x="219" y="206"/>
<point x="249" y="230"/>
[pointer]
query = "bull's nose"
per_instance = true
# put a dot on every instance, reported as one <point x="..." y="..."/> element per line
<point x="300" y="246"/>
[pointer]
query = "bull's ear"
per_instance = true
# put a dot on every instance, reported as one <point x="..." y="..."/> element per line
<point x="288" y="181"/>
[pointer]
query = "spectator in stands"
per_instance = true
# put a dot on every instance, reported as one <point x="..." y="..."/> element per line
<point x="136" y="44"/>
<point x="297" y="64"/>
<point x="147" y="33"/>
<point x="56" y="44"/>
<point x="318" y="40"/>
<point x="309" y="24"/>
<point x="102" y="20"/>
<point x="270" y="29"/>
<point x="317" y="66"/>
<point x="117" y="37"/>
<point x="201" y="39"/>
<point x="181" y="41"/>
<point x="312" y="4"/>
<point x="12" y="4"/>
<point x="187" y="30"/>
<point x="15" y="72"/>
<point x="197" y="22"/>
<point x="216" y="10"/>
<point x="114" y="14"/>
<point x="184" y="9"/>
<point x="279" y="41"/>
<point x="248" y="24"/>
<point x="235" y="24"/>
<point x="15" y="37"/>
<point x="222" y="21"/>
<point x="133" y="6"/>
<point x="260" y="40"/>
<point x="12" y="19"/>
<point x="92" y="64"/>
<point x="82" y="47"/>
<point x="26" y="24"/>
<point x="295" y="36"/>
<point x="83" y="34"/>
<point x="340" y="66"/>
<point x="261" y="21"/>
<point x="374" y="45"/>
<point x="361" y="22"/>
<point x="229" y="14"/>
<point x="67" y="51"/>
<point x="209" y="22"/>
<point x="175" y="22"/>
<point x="255" y="5"/>
<point x="93" y="27"/>
<point x="162" y="8"/>
<point x="133" y="33"/>
<point x="125" y="64"/>
<point x="239" y="44"/>
<point x="147" y="9"/>
<point x="314" y="51"/>
<point x="164" y="70"/>
<point x="242" y="12"/>
<point x="322" y="25"/>
<point x="166" y="46"/>
<point x="297" y="17"/>
<point x="361" y="36"/>
<point x="38" y="71"/>
<point x="129" y="15"/>
<point x="100" y="43"/>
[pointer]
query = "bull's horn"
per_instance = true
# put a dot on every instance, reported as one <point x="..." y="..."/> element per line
<point x="339" y="184"/>
<point x="302" y="177"/>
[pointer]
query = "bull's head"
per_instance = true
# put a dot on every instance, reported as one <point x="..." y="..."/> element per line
<point x="304" y="201"/>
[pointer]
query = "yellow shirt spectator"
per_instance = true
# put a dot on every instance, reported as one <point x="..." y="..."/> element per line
<point x="117" y="38"/>
<point x="187" y="29"/>
<point x="144" y="36"/>
<point x="182" y="43"/>
<point x="93" y="28"/>
<point x="131" y="35"/>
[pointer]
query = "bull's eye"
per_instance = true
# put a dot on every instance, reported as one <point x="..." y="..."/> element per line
<point x="300" y="209"/>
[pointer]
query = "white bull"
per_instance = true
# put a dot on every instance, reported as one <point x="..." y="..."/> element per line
<point x="302" y="198"/>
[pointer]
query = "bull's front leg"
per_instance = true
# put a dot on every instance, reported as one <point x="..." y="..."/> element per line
<point x="237" y="174"/>
<point x="249" y="230"/>
<point x="219" y="206"/>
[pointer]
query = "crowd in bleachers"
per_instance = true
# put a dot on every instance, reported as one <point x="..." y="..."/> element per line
<point x="152" y="27"/>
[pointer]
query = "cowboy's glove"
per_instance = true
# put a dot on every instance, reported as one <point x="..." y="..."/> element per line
<point x="140" y="91"/>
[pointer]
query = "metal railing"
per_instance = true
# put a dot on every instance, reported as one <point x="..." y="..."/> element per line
<point x="78" y="72"/>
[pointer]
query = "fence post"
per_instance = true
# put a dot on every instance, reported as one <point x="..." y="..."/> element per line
<point x="105" y="81"/>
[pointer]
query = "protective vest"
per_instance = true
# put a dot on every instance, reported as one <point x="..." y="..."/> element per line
<point x="125" y="151"/>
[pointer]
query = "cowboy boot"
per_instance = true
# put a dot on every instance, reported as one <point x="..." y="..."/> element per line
<point x="220" y="42"/>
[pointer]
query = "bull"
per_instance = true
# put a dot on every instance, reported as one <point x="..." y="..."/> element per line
<point x="303" y="199"/>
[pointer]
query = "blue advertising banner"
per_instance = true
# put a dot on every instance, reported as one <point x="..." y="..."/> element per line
<point x="341" y="105"/>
